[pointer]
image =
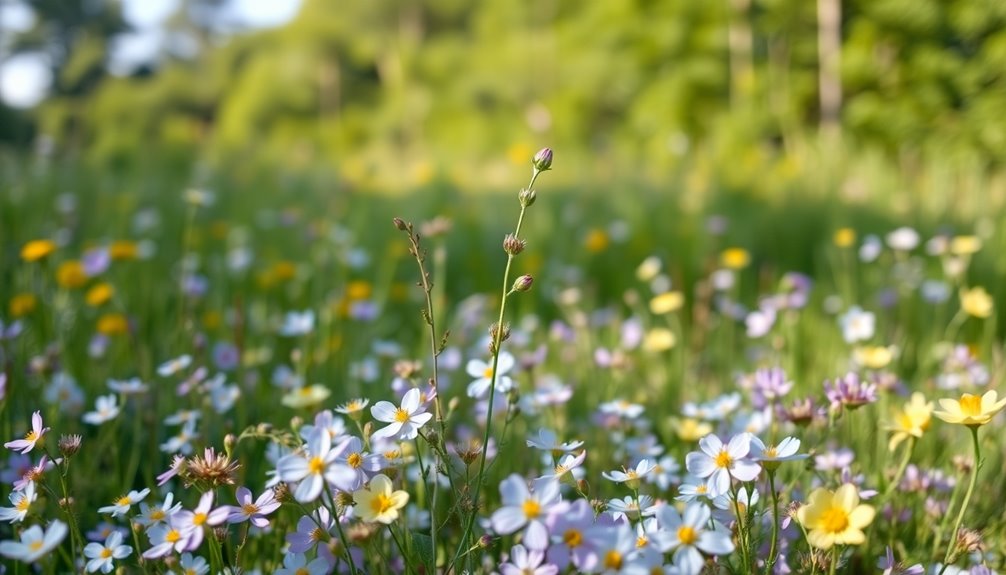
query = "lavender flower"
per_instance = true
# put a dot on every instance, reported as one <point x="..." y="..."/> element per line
<point x="850" y="392"/>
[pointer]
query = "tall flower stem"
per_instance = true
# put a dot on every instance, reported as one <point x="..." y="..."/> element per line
<point x="770" y="562"/>
<point x="834" y="560"/>
<point x="952" y="545"/>
<point x="497" y="343"/>
<point x="901" y="469"/>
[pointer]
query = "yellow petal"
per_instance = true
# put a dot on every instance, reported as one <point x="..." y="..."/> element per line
<point x="862" y="516"/>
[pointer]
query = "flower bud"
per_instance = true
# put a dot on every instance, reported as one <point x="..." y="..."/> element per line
<point x="400" y="224"/>
<point x="513" y="245"/>
<point x="542" y="160"/>
<point x="527" y="197"/>
<point x="69" y="445"/>
<point x="523" y="283"/>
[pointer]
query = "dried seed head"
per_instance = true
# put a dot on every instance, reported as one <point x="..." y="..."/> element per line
<point x="213" y="468"/>
<point x="969" y="541"/>
<point x="281" y="491"/>
<point x="344" y="499"/>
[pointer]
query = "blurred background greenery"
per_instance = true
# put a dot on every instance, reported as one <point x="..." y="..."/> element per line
<point x="901" y="100"/>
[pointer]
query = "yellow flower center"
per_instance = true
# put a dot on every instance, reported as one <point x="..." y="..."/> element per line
<point x="971" y="404"/>
<point x="560" y="469"/>
<point x="631" y="474"/>
<point x="30" y="436"/>
<point x="531" y="509"/>
<point x="834" y="520"/>
<point x="488" y="373"/>
<point x="354" y="460"/>
<point x="572" y="538"/>
<point x="199" y="519"/>
<point x="316" y="465"/>
<point x="249" y="508"/>
<point x="23" y="504"/>
<point x="687" y="535"/>
<point x="316" y="534"/>
<point x="613" y="559"/>
<point x="303" y="571"/>
<point x="35" y="545"/>
<point x="701" y="488"/>
<point x="157" y="514"/>
<point x="392" y="454"/>
<point x="354" y="406"/>
<point x="724" y="459"/>
<point x="106" y="553"/>
<point x="641" y="542"/>
<point x="401" y="416"/>
<point x="380" y="504"/>
<point x="173" y="536"/>
<point x="771" y="453"/>
<point x="124" y="500"/>
<point x="190" y="571"/>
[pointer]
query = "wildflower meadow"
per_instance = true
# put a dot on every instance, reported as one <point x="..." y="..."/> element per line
<point x="195" y="382"/>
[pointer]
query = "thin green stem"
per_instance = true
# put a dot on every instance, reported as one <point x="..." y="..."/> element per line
<point x="770" y="562"/>
<point x="497" y="343"/>
<point x="952" y="545"/>
<point x="834" y="560"/>
<point x="901" y="469"/>
<point x="405" y="557"/>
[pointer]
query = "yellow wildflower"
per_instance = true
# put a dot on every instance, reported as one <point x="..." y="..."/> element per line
<point x="976" y="302"/>
<point x="911" y="421"/>
<point x="70" y="274"/>
<point x="835" y="517"/>
<point x="379" y="502"/>
<point x="99" y="295"/>
<point x="971" y="410"/>
<point x="667" y="302"/>
<point x="735" y="258"/>
<point x="37" y="249"/>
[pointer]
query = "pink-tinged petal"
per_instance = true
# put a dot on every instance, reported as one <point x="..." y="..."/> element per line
<point x="36" y="422"/>
<point x="711" y="445"/>
<point x="508" y="520"/>
<point x="739" y="445"/>
<point x="293" y="468"/>
<point x="384" y="411"/>
<point x="410" y="403"/>
<point x="536" y="536"/>
<point x="19" y="444"/>
<point x="745" y="470"/>
<point x="260" y="522"/>
<point x="700" y="464"/>
<point x="309" y="489"/>
<point x="513" y="491"/>
<point x="217" y="516"/>
<point x="696" y="516"/>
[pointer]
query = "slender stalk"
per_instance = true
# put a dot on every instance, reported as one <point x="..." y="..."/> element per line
<point x="901" y="469"/>
<point x="770" y="562"/>
<point x="497" y="342"/>
<point x="401" y="550"/>
<point x="834" y="560"/>
<point x="952" y="545"/>
<point x="741" y="529"/>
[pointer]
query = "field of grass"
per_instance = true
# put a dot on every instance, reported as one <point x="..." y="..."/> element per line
<point x="288" y="335"/>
